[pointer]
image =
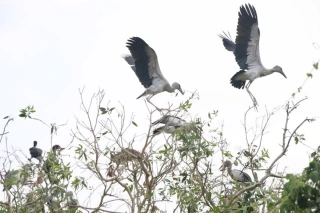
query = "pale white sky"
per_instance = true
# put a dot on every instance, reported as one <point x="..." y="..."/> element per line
<point x="50" y="49"/>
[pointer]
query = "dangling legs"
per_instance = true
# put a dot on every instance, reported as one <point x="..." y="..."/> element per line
<point x="255" y="103"/>
<point x="148" y="99"/>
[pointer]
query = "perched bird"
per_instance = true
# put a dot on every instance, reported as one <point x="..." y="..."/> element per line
<point x="57" y="148"/>
<point x="54" y="204"/>
<point x="171" y="121"/>
<point x="165" y="129"/>
<point x="144" y="62"/>
<point x="246" y="51"/>
<point x="72" y="202"/>
<point x="171" y="124"/>
<point x="235" y="174"/>
<point x="52" y="158"/>
<point x="12" y="178"/>
<point x="35" y="152"/>
<point x="16" y="177"/>
<point x="50" y="161"/>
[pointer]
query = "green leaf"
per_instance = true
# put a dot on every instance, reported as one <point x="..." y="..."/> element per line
<point x="315" y="65"/>
<point x="103" y="110"/>
<point x="314" y="176"/>
<point x="134" y="123"/>
<point x="309" y="75"/>
<point x="299" y="89"/>
<point x="6" y="117"/>
<point x="255" y="175"/>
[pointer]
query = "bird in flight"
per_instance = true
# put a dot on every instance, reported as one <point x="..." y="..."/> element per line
<point x="144" y="62"/>
<point x="246" y="51"/>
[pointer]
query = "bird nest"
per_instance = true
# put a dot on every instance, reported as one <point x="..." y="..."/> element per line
<point x="126" y="155"/>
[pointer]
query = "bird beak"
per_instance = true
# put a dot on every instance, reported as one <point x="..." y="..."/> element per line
<point x="221" y="168"/>
<point x="59" y="150"/>
<point x="181" y="91"/>
<point x="282" y="73"/>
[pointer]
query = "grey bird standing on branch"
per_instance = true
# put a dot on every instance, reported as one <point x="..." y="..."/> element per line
<point x="235" y="174"/>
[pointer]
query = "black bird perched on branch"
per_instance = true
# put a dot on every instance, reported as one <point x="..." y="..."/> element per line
<point x="246" y="51"/>
<point x="35" y="152"/>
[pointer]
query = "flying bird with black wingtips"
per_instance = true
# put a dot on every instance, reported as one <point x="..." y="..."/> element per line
<point x="246" y="51"/>
<point x="144" y="62"/>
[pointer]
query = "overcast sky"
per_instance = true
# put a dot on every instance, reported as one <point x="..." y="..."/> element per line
<point x="50" y="49"/>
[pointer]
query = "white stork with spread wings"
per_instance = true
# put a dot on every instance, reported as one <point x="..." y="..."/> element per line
<point x="144" y="62"/>
<point x="246" y="51"/>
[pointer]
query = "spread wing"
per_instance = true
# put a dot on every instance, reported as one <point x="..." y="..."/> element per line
<point x="247" y="40"/>
<point x="145" y="60"/>
<point x="227" y="41"/>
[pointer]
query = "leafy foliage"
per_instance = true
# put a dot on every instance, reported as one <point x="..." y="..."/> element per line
<point x="302" y="192"/>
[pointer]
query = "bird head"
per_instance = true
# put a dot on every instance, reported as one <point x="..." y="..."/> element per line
<point x="225" y="165"/>
<point x="35" y="143"/>
<point x="279" y="70"/>
<point x="177" y="86"/>
<point x="57" y="148"/>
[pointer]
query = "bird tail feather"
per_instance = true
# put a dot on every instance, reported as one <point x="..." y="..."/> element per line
<point x="238" y="83"/>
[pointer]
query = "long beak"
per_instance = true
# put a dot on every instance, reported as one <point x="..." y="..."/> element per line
<point x="282" y="73"/>
<point x="59" y="150"/>
<point x="181" y="91"/>
<point x="221" y="168"/>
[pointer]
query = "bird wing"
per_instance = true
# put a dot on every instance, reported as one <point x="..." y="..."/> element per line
<point x="247" y="177"/>
<point x="130" y="61"/>
<point x="170" y="120"/>
<point x="247" y="40"/>
<point x="165" y="129"/>
<point x="146" y="63"/>
<point x="227" y="41"/>
<point x="240" y="176"/>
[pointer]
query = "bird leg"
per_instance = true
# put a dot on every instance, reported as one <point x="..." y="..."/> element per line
<point x="148" y="99"/>
<point x="255" y="103"/>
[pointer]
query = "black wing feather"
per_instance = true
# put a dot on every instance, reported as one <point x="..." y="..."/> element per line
<point x="137" y="48"/>
<point x="227" y="41"/>
<point x="247" y="18"/>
